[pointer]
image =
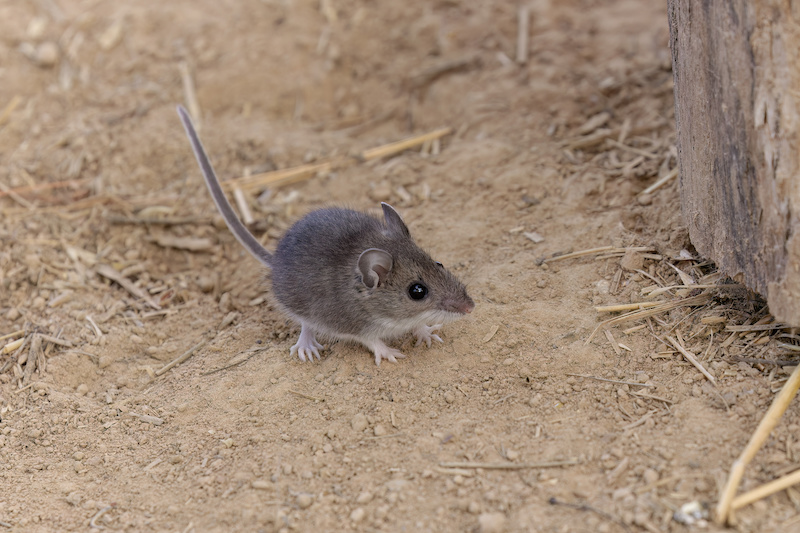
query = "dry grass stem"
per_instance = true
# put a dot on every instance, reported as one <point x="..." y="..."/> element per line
<point x="192" y="244"/>
<point x="523" y="30"/>
<point x="692" y="301"/>
<point x="186" y="355"/>
<point x="511" y="466"/>
<point x="306" y="396"/>
<point x="625" y="307"/>
<point x="765" y="490"/>
<point x="756" y="327"/>
<point x="595" y="251"/>
<point x="689" y="356"/>
<point x="45" y="186"/>
<point x="672" y="174"/>
<point x="762" y="432"/>
<point x="111" y="273"/>
<point x="632" y="383"/>
<point x="405" y="144"/>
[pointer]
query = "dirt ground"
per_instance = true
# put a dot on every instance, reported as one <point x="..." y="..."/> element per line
<point x="546" y="156"/>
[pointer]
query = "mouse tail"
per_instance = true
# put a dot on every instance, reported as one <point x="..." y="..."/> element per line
<point x="238" y="229"/>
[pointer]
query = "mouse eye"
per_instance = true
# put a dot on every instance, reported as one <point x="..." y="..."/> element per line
<point x="417" y="291"/>
<point x="438" y="263"/>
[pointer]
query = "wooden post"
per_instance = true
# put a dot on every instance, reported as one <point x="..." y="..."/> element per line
<point x="737" y="93"/>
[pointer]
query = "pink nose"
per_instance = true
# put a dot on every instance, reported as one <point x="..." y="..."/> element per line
<point x="467" y="307"/>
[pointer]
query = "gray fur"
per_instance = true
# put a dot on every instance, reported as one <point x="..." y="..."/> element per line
<point x="345" y="275"/>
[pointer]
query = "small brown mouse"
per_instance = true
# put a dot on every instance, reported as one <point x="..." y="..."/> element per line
<point x="347" y="275"/>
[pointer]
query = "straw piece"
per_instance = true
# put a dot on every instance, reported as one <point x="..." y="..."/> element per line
<point x="765" y="427"/>
<point x="110" y="273"/>
<point x="663" y="181"/>
<point x="523" y="24"/>
<point x="766" y="489"/>
<point x="400" y="146"/>
<point x="691" y="358"/>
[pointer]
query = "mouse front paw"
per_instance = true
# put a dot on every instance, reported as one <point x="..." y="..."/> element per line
<point x="307" y="346"/>
<point x="382" y="352"/>
<point x="426" y="334"/>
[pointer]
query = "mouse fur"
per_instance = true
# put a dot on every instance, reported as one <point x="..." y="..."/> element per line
<point x="347" y="275"/>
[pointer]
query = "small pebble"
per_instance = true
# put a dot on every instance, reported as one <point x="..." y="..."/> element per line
<point x="380" y="430"/>
<point x="358" y="514"/>
<point x="650" y="476"/>
<point x="304" y="501"/>
<point x="364" y="497"/>
<point x="359" y="422"/>
<point x="13" y="314"/>
<point x="82" y="389"/>
<point x="47" y="54"/>
<point x="261" y="484"/>
<point x="449" y="397"/>
<point x="492" y="523"/>
<point x="78" y="456"/>
<point x="136" y="339"/>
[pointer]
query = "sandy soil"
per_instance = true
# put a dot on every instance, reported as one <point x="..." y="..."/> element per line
<point x="241" y="436"/>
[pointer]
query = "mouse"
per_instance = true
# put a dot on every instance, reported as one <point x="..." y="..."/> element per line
<point x="347" y="275"/>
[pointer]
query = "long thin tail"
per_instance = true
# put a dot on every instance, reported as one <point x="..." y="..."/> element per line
<point x="238" y="229"/>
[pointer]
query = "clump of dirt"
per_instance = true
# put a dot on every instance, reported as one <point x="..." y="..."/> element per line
<point x="113" y="264"/>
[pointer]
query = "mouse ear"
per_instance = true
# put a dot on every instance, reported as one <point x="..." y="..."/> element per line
<point x="374" y="265"/>
<point x="393" y="221"/>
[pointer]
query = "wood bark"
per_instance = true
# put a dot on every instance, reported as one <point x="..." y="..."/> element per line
<point x="736" y="65"/>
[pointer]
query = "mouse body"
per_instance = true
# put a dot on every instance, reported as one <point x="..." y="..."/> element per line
<point x="347" y="275"/>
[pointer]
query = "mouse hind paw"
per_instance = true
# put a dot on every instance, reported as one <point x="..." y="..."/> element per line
<point x="426" y="334"/>
<point x="307" y="346"/>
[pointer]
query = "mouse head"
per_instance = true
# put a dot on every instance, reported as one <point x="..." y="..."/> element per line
<point x="409" y="285"/>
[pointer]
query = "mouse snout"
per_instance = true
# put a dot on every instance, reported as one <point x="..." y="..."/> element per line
<point x="460" y="306"/>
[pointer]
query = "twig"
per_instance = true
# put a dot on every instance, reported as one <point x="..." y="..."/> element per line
<point x="181" y="359"/>
<point x="306" y="396"/>
<point x="111" y="273"/>
<point x="9" y="108"/>
<point x="237" y="360"/>
<point x="12" y="334"/>
<point x="611" y="380"/>
<point x="511" y="466"/>
<point x="153" y="221"/>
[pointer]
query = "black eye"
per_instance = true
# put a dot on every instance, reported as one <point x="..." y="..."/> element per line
<point x="438" y="263"/>
<point x="417" y="291"/>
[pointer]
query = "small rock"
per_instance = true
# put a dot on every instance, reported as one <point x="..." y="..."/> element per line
<point x="359" y="422"/>
<point x="474" y="507"/>
<point x="358" y="514"/>
<point x="449" y="397"/>
<point x="104" y="361"/>
<point x="261" y="484"/>
<point x="632" y="261"/>
<point x="47" y="54"/>
<point x="136" y="339"/>
<point x="364" y="497"/>
<point x="78" y="456"/>
<point x="13" y="314"/>
<point x="644" y="199"/>
<point x="304" y="501"/>
<point x="381" y="192"/>
<point x="380" y="430"/>
<point x="74" y="498"/>
<point x="206" y="283"/>
<point x="82" y="389"/>
<point x="512" y="455"/>
<point x="492" y="523"/>
<point x="650" y="476"/>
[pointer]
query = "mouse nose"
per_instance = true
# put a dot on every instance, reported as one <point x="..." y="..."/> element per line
<point x="460" y="306"/>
